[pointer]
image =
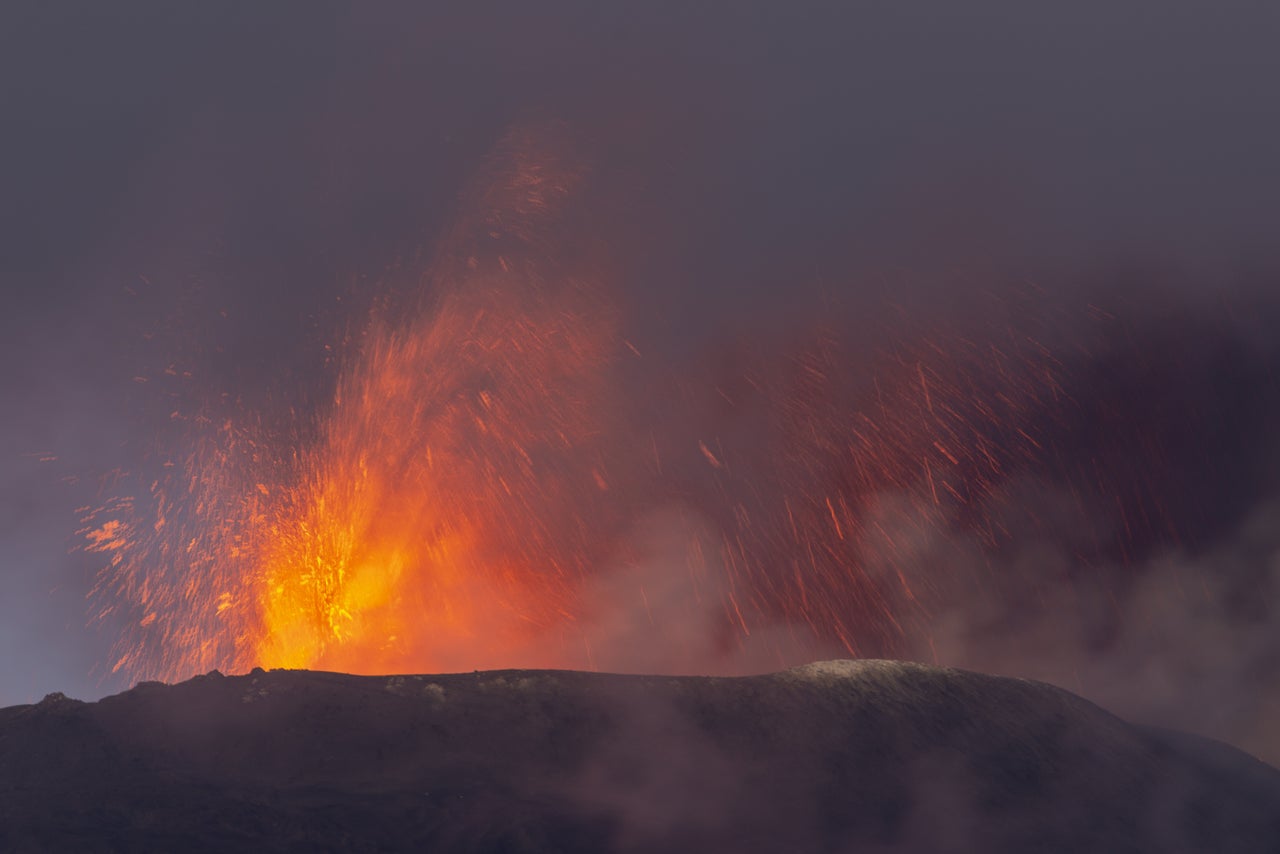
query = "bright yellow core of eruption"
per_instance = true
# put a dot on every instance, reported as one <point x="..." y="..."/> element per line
<point x="426" y="528"/>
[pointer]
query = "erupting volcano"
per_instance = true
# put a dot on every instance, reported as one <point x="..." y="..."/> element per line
<point x="488" y="486"/>
<point x="637" y="427"/>
<point x="435" y="514"/>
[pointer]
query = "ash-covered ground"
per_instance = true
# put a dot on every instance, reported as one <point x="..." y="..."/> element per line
<point x="842" y="756"/>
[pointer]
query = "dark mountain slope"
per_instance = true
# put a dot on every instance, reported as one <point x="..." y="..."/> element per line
<point x="840" y="756"/>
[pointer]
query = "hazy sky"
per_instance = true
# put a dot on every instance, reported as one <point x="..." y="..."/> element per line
<point x="199" y="183"/>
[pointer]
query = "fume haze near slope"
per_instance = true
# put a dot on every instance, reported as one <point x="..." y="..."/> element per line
<point x="846" y="756"/>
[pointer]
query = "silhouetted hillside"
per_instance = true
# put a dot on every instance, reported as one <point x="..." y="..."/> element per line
<point x="839" y="756"/>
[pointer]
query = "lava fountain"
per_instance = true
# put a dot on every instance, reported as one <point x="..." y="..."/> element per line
<point x="469" y="495"/>
<point x="435" y="513"/>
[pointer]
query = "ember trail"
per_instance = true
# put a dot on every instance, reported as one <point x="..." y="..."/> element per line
<point x="469" y="496"/>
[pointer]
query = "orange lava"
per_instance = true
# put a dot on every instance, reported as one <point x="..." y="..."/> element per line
<point x="469" y="495"/>
<point x="431" y="517"/>
<point x="419" y="531"/>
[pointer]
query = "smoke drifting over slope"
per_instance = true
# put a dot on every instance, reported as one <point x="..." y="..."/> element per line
<point x="890" y="757"/>
<point x="926" y="333"/>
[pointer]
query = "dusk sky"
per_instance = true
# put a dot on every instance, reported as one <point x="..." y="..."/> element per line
<point x="221" y="190"/>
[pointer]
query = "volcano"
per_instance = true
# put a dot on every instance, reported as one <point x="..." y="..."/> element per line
<point x="847" y="756"/>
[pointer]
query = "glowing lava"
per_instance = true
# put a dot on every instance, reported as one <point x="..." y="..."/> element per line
<point x="427" y="517"/>
<point x="470" y="495"/>
<point x="435" y="514"/>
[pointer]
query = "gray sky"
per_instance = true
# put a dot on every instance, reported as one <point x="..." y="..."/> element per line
<point x="199" y="183"/>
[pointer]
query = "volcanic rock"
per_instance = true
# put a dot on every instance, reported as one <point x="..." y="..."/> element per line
<point x="845" y="756"/>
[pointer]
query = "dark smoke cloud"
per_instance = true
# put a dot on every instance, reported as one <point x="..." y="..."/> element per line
<point x="199" y="199"/>
<point x="1173" y="620"/>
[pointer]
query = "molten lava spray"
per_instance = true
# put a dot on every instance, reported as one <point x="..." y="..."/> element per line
<point x="437" y="512"/>
<point x="477" y="491"/>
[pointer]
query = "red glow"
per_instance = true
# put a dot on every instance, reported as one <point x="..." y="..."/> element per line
<point x="464" y="496"/>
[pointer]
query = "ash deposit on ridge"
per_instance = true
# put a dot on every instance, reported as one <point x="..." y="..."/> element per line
<point x="846" y="756"/>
